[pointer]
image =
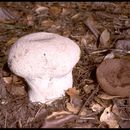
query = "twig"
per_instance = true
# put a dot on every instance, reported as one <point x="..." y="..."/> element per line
<point x="87" y="118"/>
<point x="114" y="50"/>
<point x="5" y="124"/>
<point x="20" y="123"/>
<point x="88" y="100"/>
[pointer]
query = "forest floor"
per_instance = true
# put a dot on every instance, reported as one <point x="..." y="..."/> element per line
<point x="85" y="105"/>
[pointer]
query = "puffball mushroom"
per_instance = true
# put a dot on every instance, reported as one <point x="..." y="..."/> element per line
<point x="113" y="76"/>
<point x="45" y="61"/>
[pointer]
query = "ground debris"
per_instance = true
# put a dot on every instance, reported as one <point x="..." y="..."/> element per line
<point x="99" y="28"/>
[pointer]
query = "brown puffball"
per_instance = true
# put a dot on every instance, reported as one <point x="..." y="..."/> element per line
<point x="113" y="76"/>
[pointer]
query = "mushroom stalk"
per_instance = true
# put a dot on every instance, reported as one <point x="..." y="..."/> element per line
<point x="48" y="89"/>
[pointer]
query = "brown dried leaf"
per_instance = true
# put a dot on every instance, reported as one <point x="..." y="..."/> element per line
<point x="75" y="99"/>
<point x="106" y="96"/>
<point x="58" y="119"/>
<point x="90" y="23"/>
<point x="104" y="38"/>
<point x="30" y="20"/>
<point x="47" y="23"/>
<point x="11" y="41"/>
<point x="55" y="10"/>
<point x="71" y="108"/>
<point x="109" y="118"/>
<point x="17" y="80"/>
<point x="96" y="107"/>
<point x="109" y="56"/>
<point x="6" y="14"/>
<point x="41" y="9"/>
<point x="72" y="92"/>
<point x="123" y="44"/>
<point x="88" y="88"/>
<point x="7" y="80"/>
<point x="115" y="110"/>
<point x="18" y="91"/>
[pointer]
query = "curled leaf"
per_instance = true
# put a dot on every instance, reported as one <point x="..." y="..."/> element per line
<point x="109" y="118"/>
<point x="106" y="96"/>
<point x="58" y="119"/>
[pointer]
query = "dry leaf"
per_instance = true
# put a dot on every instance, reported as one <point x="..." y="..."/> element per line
<point x="115" y="110"/>
<point x="55" y="10"/>
<point x="104" y="38"/>
<point x="6" y="14"/>
<point x="47" y="23"/>
<point x="11" y="41"/>
<point x="7" y="80"/>
<point x="75" y="110"/>
<point x="90" y="23"/>
<point x="71" y="108"/>
<point x="75" y="99"/>
<point x="106" y="96"/>
<point x="30" y="20"/>
<point x="76" y="16"/>
<point x="65" y="11"/>
<point x="96" y="107"/>
<point x="17" y="80"/>
<point x="72" y="92"/>
<point x="109" y="118"/>
<point x="88" y="88"/>
<point x="109" y="56"/>
<point x="123" y="44"/>
<point x="41" y="9"/>
<point x="18" y="91"/>
<point x="58" y="119"/>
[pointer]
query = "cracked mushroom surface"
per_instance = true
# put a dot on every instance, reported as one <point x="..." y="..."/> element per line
<point x="45" y="61"/>
<point x="113" y="76"/>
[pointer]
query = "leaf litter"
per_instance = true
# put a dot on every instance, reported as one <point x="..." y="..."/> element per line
<point x="99" y="28"/>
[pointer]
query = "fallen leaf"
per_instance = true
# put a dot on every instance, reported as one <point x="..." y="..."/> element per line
<point x="30" y="20"/>
<point x="123" y="44"/>
<point x="58" y="119"/>
<point x="41" y="9"/>
<point x="124" y="123"/>
<point x="6" y="14"/>
<point x="104" y="38"/>
<point x="71" y="108"/>
<point x="106" y="96"/>
<point x="75" y="99"/>
<point x="88" y="88"/>
<point x="72" y="92"/>
<point x="55" y="10"/>
<point x="18" y="90"/>
<point x="17" y="80"/>
<point x="96" y="107"/>
<point x="11" y="41"/>
<point x="47" y="23"/>
<point x="90" y="23"/>
<point x="7" y="80"/>
<point x="109" y="56"/>
<point x="109" y="118"/>
<point x="76" y="16"/>
<point x="115" y="110"/>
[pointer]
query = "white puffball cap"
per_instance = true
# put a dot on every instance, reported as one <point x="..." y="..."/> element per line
<point x="43" y="53"/>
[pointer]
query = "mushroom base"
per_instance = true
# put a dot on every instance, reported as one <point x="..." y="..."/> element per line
<point x="46" y="89"/>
